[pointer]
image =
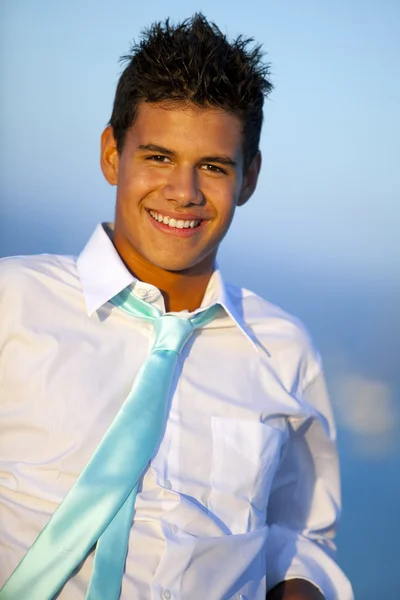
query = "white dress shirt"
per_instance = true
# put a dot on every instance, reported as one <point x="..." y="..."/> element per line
<point x="243" y="491"/>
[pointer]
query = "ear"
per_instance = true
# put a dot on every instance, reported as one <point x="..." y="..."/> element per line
<point x="250" y="179"/>
<point x="109" y="158"/>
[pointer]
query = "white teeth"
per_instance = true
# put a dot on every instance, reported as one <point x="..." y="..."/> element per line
<point x="176" y="223"/>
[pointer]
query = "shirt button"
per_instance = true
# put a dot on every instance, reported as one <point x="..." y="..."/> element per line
<point x="173" y="528"/>
<point x="140" y="293"/>
<point x="167" y="484"/>
<point x="166" y="595"/>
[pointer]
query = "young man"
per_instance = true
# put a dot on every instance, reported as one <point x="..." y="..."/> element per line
<point x="238" y="494"/>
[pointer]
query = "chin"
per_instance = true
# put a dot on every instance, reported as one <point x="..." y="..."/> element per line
<point x="175" y="267"/>
<point x="178" y="265"/>
<point x="176" y="262"/>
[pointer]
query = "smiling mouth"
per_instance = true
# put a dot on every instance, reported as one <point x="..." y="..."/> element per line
<point x="174" y="223"/>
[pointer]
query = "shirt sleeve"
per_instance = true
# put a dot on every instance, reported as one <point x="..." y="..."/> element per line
<point x="304" y="505"/>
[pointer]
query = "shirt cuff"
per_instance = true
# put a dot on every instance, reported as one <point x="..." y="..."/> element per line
<point x="293" y="556"/>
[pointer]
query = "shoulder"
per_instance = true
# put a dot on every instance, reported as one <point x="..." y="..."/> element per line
<point x="283" y="335"/>
<point x="35" y="274"/>
<point x="264" y="317"/>
<point x="30" y="267"/>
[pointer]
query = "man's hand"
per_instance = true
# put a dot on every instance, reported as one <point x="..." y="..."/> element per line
<point x="295" y="589"/>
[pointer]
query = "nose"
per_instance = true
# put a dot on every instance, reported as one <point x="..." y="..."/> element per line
<point x="182" y="186"/>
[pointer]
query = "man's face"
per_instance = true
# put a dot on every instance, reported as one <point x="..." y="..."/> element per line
<point x="179" y="179"/>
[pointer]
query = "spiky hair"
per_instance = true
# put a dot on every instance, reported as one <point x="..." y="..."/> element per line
<point x="193" y="61"/>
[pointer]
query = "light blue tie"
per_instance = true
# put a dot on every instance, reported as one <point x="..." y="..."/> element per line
<point x="99" y="507"/>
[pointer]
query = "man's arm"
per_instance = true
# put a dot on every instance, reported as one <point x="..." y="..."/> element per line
<point x="304" y="508"/>
<point x="295" y="589"/>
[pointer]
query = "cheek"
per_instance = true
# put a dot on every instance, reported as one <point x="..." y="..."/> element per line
<point x="136" y="183"/>
<point x="224" y="201"/>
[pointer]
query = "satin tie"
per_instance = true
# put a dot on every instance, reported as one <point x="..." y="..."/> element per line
<point x="99" y="507"/>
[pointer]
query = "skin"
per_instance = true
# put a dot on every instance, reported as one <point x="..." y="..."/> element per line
<point x="295" y="589"/>
<point x="185" y="162"/>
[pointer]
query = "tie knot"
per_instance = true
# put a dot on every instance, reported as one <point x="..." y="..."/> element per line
<point x="172" y="333"/>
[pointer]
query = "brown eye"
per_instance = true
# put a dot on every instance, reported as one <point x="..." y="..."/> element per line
<point x="158" y="158"/>
<point x="213" y="169"/>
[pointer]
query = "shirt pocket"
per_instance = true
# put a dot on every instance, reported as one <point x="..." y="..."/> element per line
<point x="245" y="458"/>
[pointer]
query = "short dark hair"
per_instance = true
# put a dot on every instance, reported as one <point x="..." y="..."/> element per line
<point x="194" y="62"/>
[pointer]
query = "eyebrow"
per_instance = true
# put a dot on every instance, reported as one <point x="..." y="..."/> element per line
<point x="222" y="160"/>
<point x="156" y="148"/>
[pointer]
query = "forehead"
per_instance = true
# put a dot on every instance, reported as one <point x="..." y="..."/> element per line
<point x="183" y="126"/>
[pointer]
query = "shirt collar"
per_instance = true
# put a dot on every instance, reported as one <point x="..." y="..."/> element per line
<point x="103" y="275"/>
<point x="217" y="292"/>
<point x="101" y="270"/>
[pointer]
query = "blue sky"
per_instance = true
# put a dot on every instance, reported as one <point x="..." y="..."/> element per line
<point x="320" y="235"/>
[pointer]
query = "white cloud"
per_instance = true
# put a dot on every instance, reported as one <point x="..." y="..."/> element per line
<point x="367" y="408"/>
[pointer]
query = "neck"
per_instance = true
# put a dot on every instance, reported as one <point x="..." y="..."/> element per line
<point x="181" y="290"/>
